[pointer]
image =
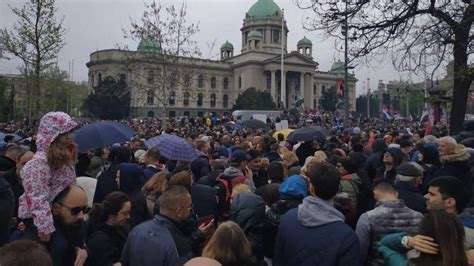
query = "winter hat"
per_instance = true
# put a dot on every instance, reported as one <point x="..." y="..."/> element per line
<point x="409" y="169"/>
<point x="293" y="187"/>
<point x="239" y="156"/>
<point x="356" y="130"/>
<point x="394" y="146"/>
<point x="406" y="143"/>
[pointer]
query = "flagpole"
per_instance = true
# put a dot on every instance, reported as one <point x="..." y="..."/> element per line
<point x="282" y="79"/>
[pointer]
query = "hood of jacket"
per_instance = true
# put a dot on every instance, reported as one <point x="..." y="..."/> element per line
<point x="316" y="212"/>
<point x="248" y="210"/>
<point x="460" y="154"/>
<point x="231" y="172"/>
<point x="397" y="155"/>
<point x="51" y="126"/>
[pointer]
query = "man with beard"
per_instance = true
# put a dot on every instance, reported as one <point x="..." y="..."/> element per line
<point x="66" y="245"/>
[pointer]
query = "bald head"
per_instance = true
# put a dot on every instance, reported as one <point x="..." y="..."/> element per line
<point x="201" y="261"/>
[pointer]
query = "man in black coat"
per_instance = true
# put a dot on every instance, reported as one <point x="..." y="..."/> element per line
<point x="409" y="177"/>
<point x="200" y="166"/>
<point x="7" y="205"/>
<point x="152" y="160"/>
<point x="374" y="163"/>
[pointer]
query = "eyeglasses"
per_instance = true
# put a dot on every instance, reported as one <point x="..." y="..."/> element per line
<point x="190" y="208"/>
<point x="76" y="210"/>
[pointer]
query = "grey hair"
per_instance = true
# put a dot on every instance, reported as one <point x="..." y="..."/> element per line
<point x="450" y="140"/>
<point x="430" y="139"/>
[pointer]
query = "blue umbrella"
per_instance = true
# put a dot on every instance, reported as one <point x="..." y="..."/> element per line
<point x="173" y="147"/>
<point x="101" y="134"/>
<point x="17" y="137"/>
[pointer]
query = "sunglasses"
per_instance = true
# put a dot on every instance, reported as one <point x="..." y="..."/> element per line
<point x="76" y="210"/>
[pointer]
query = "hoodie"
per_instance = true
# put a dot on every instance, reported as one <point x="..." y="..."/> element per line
<point x="40" y="182"/>
<point x="315" y="234"/>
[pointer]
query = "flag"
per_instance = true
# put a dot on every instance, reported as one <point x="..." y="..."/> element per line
<point x="410" y="118"/>
<point x="385" y="112"/>
<point x="340" y="88"/>
<point x="425" y="113"/>
<point x="429" y="123"/>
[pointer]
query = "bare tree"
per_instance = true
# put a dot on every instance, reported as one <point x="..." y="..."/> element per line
<point x="417" y="33"/>
<point x="36" y="40"/>
<point x="167" y="59"/>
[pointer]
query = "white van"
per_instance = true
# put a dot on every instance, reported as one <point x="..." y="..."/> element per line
<point x="242" y="115"/>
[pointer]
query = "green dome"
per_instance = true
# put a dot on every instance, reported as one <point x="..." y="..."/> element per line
<point x="305" y="41"/>
<point x="148" y="44"/>
<point x="255" y="34"/>
<point x="337" y="67"/>
<point x="227" y="45"/>
<point x="264" y="9"/>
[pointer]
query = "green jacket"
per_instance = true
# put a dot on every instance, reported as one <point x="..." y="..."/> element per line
<point x="392" y="249"/>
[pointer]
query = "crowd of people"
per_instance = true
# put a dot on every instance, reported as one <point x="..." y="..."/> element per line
<point x="368" y="193"/>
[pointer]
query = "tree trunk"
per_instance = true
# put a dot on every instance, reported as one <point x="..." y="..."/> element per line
<point x="461" y="84"/>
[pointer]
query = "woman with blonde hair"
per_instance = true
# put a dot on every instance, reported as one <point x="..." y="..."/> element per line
<point x="229" y="246"/>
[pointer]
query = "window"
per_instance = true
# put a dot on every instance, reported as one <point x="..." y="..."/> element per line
<point x="275" y="36"/>
<point x="92" y="80"/>
<point x="226" y="83"/>
<point x="225" y="101"/>
<point x="187" y="81"/>
<point x="150" y="114"/>
<point x="172" y="99"/>
<point x="186" y="98"/>
<point x="240" y="82"/>
<point x="213" y="100"/>
<point x="151" y="77"/>
<point x="200" y="99"/>
<point x="172" y="80"/>
<point x="200" y="81"/>
<point x="150" y="97"/>
<point x="200" y="114"/>
<point x="213" y="82"/>
<point x="186" y="113"/>
<point x="123" y="77"/>
<point x="314" y="89"/>
<point x="172" y="114"/>
<point x="269" y="82"/>
<point x="100" y="77"/>
<point x="262" y="31"/>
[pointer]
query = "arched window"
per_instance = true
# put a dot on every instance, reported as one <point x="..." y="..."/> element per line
<point x="213" y="82"/>
<point x="151" y="77"/>
<point x="172" y="98"/>
<point x="200" y="99"/>
<point x="150" y="97"/>
<point x="100" y="77"/>
<point x="172" y="80"/>
<point x="92" y="80"/>
<point x="200" y="81"/>
<point x="240" y="82"/>
<point x="123" y="77"/>
<point x="225" y="101"/>
<point x="226" y="83"/>
<point x="186" y="98"/>
<point x="187" y="81"/>
<point x="213" y="100"/>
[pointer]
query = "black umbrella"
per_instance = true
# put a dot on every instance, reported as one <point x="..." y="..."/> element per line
<point x="254" y="123"/>
<point x="308" y="134"/>
<point x="102" y="134"/>
<point x="469" y="142"/>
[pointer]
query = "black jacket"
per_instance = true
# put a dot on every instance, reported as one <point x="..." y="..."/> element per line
<point x="304" y="150"/>
<point x="106" y="183"/>
<point x="105" y="245"/>
<point x="210" y="179"/>
<point x="411" y="195"/>
<point x="200" y="167"/>
<point x="7" y="205"/>
<point x="204" y="200"/>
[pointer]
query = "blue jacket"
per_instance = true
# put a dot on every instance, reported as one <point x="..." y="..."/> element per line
<point x="149" y="171"/>
<point x="151" y="244"/>
<point x="315" y="234"/>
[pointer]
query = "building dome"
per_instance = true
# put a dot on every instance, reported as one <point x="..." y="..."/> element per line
<point x="305" y="41"/>
<point x="255" y="34"/>
<point x="227" y="45"/>
<point x="264" y="9"/>
<point x="148" y="44"/>
<point x="337" y="67"/>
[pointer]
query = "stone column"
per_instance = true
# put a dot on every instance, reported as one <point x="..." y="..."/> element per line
<point x="302" y="90"/>
<point x="273" y="86"/>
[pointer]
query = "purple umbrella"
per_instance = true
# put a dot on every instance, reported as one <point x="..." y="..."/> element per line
<point x="173" y="147"/>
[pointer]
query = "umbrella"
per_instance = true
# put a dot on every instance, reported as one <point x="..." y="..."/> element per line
<point x="17" y="137"/>
<point x="254" y="123"/>
<point x="102" y="134"/>
<point x="468" y="142"/>
<point x="173" y="147"/>
<point x="285" y="133"/>
<point x="308" y="134"/>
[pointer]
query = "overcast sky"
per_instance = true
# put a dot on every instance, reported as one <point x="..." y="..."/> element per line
<point x="97" y="24"/>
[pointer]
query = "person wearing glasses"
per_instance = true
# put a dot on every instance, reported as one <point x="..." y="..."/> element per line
<point x="67" y="244"/>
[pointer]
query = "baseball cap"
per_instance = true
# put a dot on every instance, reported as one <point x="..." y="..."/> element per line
<point x="239" y="156"/>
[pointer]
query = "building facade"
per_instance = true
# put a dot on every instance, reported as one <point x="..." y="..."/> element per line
<point x="216" y="84"/>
